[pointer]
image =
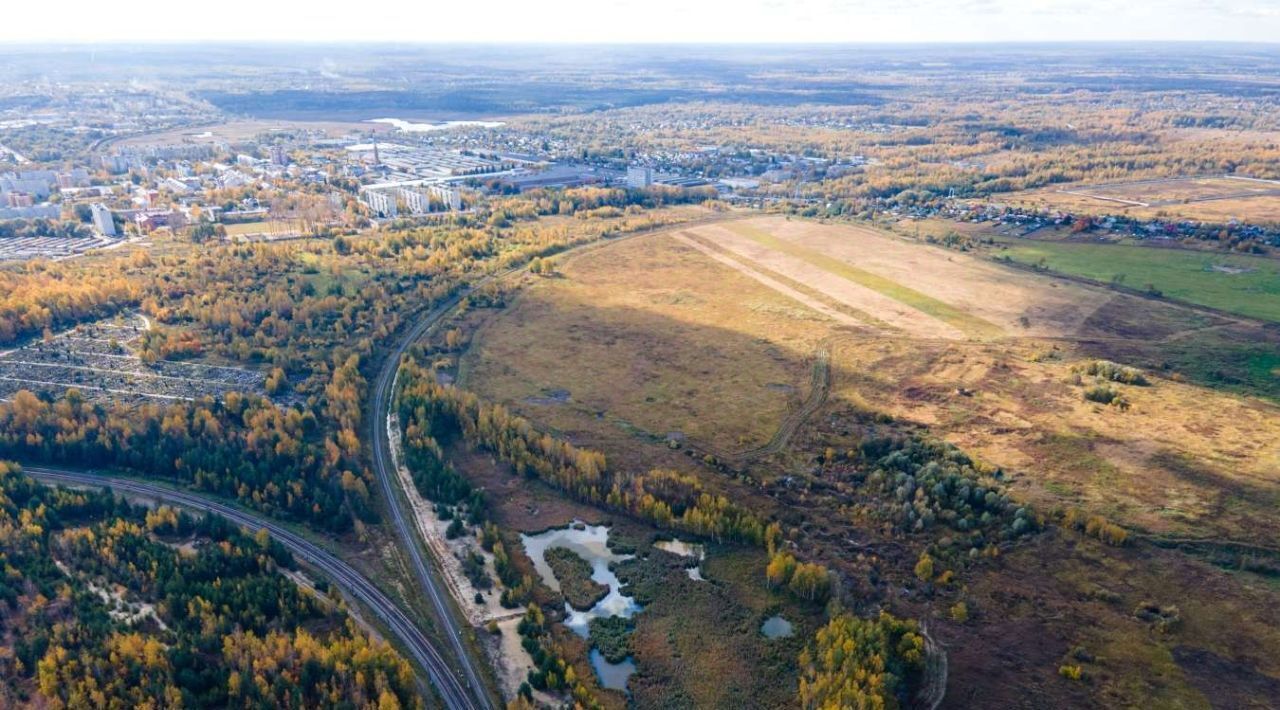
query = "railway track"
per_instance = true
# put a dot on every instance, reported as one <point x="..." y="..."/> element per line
<point x="349" y="580"/>
<point x="382" y="466"/>
<point x="388" y="481"/>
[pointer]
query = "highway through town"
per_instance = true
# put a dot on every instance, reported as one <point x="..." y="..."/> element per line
<point x="350" y="581"/>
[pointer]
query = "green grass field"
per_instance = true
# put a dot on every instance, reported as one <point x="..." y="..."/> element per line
<point x="1247" y="285"/>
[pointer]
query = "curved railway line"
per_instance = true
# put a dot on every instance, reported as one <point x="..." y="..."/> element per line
<point x="442" y="676"/>
<point x="459" y="691"/>
<point x="388" y="482"/>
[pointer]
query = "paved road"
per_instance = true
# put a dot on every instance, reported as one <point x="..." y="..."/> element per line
<point x="443" y="677"/>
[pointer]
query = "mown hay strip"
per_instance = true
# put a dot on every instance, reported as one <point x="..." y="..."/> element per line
<point x="968" y="323"/>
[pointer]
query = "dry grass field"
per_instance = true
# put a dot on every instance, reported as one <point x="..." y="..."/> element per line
<point x="706" y="338"/>
<point x="708" y="334"/>
<point x="1182" y="460"/>
<point x="1212" y="199"/>
<point x="1184" y="190"/>
<point x="920" y="292"/>
<point x="664" y="355"/>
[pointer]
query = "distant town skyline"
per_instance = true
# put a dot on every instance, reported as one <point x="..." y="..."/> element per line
<point x="650" y="21"/>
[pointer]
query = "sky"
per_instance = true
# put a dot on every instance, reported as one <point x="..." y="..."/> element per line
<point x="625" y="21"/>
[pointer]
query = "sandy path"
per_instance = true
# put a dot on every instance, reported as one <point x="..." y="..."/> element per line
<point x="510" y="660"/>
<point x="447" y="551"/>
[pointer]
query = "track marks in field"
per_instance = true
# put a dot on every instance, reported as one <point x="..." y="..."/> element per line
<point x="778" y="283"/>
<point x="819" y="388"/>
<point x="967" y="323"/>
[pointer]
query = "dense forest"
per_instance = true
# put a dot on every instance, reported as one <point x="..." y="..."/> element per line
<point x="107" y="604"/>
<point x="36" y="300"/>
<point x="242" y="447"/>
<point x="860" y="663"/>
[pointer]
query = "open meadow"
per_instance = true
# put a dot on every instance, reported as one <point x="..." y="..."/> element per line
<point x="1216" y="199"/>
<point x="1235" y="283"/>
<point x="744" y="349"/>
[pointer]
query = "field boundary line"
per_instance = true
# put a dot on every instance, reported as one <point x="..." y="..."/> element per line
<point x="1236" y="318"/>
<point x="868" y="319"/>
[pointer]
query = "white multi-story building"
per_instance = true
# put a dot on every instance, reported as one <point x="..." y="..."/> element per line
<point x="639" y="176"/>
<point x="384" y="204"/>
<point x="451" y="197"/>
<point x="416" y="202"/>
<point x="102" y="220"/>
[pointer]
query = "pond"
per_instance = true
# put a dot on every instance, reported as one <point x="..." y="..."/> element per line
<point x="776" y="627"/>
<point x="591" y="542"/>
<point x="676" y="546"/>
<point x="612" y="675"/>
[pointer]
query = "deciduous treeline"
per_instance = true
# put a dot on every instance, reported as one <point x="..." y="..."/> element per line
<point x="273" y="459"/>
<point x="31" y="302"/>
<point x="431" y="413"/>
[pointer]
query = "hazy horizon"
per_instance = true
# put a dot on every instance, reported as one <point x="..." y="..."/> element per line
<point x="660" y="22"/>
<point x="480" y="44"/>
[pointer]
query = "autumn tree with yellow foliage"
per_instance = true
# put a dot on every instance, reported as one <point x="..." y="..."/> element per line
<point x="860" y="663"/>
<point x="105" y="611"/>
